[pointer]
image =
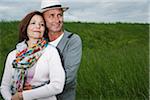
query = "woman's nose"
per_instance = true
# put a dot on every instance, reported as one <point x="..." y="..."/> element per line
<point x="37" y="25"/>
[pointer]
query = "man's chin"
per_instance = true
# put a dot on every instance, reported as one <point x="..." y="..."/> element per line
<point x="56" y="30"/>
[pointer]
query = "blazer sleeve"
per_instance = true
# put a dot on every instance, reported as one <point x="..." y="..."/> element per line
<point x="56" y="77"/>
<point x="72" y="59"/>
<point x="6" y="79"/>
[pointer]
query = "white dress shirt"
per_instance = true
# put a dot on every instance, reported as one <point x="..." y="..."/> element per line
<point x="55" y="42"/>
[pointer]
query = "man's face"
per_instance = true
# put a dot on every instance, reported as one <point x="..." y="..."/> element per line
<point x="54" y="20"/>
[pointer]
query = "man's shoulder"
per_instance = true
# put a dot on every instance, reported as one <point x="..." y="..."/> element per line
<point x="72" y="36"/>
<point x="69" y="40"/>
<point x="73" y="39"/>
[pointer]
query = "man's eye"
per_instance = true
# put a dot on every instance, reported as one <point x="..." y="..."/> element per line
<point x="51" y="15"/>
<point x="60" y="14"/>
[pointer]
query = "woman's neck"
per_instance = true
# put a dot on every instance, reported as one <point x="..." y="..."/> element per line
<point x="31" y="42"/>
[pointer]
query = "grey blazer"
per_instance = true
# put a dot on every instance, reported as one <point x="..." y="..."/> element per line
<point x="70" y="48"/>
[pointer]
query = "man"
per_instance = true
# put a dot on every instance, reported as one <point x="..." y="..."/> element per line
<point x="68" y="44"/>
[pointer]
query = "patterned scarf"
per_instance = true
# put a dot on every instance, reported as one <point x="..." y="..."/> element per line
<point x="25" y="58"/>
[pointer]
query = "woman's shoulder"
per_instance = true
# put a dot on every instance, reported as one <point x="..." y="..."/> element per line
<point x="12" y="52"/>
<point x="11" y="55"/>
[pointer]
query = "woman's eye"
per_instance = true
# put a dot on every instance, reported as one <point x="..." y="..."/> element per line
<point x="32" y="23"/>
<point x="42" y="24"/>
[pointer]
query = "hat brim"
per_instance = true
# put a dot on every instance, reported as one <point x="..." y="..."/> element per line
<point x="63" y="9"/>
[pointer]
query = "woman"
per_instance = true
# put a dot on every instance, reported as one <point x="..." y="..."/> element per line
<point x="33" y="70"/>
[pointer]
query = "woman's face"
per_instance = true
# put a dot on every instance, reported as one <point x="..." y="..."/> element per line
<point x="36" y="27"/>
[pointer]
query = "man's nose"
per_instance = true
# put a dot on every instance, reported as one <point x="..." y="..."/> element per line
<point x="56" y="19"/>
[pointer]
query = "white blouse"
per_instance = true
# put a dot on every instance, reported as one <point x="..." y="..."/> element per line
<point x="48" y="67"/>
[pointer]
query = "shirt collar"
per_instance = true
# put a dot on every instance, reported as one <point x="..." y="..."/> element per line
<point x="55" y="42"/>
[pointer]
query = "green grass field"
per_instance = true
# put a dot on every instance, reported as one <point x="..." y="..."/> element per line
<point x="115" y="63"/>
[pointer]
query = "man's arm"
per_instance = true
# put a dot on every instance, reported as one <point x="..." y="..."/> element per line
<point x="72" y="58"/>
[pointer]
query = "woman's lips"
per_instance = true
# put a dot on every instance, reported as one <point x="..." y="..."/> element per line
<point x="37" y="31"/>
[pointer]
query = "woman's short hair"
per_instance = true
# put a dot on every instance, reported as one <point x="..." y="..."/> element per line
<point x="24" y="24"/>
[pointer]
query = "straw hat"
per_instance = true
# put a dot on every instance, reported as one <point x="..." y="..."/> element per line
<point x="51" y="4"/>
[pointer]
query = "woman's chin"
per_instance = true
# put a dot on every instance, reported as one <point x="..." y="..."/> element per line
<point x="37" y="37"/>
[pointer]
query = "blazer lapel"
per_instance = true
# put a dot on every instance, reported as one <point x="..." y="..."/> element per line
<point x="61" y="45"/>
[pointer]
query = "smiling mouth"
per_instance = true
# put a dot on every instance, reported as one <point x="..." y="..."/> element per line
<point x="37" y="32"/>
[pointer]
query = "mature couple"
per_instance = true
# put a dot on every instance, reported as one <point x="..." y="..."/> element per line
<point x="35" y="70"/>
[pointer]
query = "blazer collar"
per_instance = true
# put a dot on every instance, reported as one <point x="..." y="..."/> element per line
<point x="61" y="45"/>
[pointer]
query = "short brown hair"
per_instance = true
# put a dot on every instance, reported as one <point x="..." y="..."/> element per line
<point x="24" y="24"/>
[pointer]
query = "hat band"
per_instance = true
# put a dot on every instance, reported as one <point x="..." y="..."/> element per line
<point x="52" y="6"/>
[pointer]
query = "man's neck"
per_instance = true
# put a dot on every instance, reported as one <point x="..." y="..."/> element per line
<point x="54" y="36"/>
